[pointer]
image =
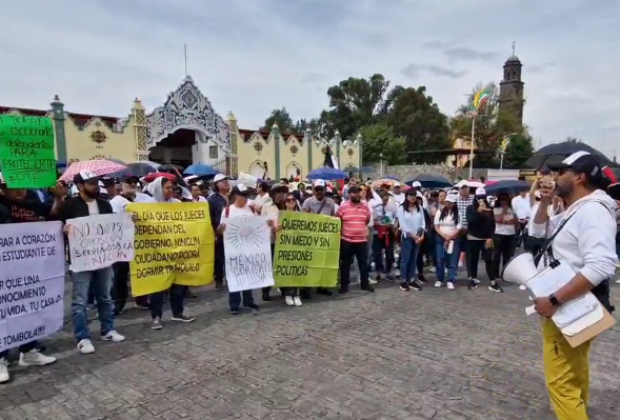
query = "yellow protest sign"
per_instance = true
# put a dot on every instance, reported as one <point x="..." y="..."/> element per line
<point x="174" y="243"/>
<point x="307" y="250"/>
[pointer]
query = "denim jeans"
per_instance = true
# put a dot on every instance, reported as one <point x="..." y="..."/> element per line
<point x="446" y="261"/>
<point x="177" y="294"/>
<point x="235" y="298"/>
<point x="24" y="348"/>
<point x="102" y="286"/>
<point x="408" y="259"/>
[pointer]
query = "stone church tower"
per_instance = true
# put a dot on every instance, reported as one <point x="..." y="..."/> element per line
<point x="511" y="88"/>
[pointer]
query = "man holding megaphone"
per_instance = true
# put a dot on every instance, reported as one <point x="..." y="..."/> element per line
<point x="585" y="234"/>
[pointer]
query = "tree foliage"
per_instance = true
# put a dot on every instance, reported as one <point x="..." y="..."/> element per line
<point x="283" y="119"/>
<point x="380" y="143"/>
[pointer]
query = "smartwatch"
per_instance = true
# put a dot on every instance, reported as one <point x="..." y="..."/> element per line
<point x="554" y="300"/>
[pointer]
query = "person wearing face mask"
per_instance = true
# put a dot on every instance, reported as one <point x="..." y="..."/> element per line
<point x="412" y="225"/>
<point x="239" y="207"/>
<point x="480" y="231"/>
<point x="120" y="292"/>
<point x="218" y="201"/>
<point x="89" y="203"/>
<point x="584" y="239"/>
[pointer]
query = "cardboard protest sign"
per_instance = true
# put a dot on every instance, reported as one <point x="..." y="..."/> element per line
<point x="174" y="243"/>
<point x="99" y="241"/>
<point x="32" y="282"/>
<point x="27" y="155"/>
<point x="307" y="250"/>
<point x="247" y="246"/>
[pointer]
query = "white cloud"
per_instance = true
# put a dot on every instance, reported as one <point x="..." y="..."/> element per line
<point x="251" y="56"/>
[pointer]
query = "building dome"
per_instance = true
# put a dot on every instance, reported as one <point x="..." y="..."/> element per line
<point x="513" y="58"/>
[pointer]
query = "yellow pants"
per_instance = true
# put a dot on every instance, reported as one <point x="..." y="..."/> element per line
<point x="567" y="373"/>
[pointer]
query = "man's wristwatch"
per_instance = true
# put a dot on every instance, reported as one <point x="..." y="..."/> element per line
<point x="554" y="300"/>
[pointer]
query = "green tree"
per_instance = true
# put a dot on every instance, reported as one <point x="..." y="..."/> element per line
<point x="283" y="119"/>
<point x="491" y="126"/>
<point x="416" y="117"/>
<point x="379" y="140"/>
<point x="355" y="103"/>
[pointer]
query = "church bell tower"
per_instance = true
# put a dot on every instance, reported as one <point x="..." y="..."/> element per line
<point x="511" y="88"/>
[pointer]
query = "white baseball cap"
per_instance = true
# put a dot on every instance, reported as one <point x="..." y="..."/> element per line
<point x="480" y="191"/>
<point x="319" y="183"/>
<point x="396" y="184"/>
<point x="452" y="198"/>
<point x="419" y="194"/>
<point x="416" y="184"/>
<point x="220" y="177"/>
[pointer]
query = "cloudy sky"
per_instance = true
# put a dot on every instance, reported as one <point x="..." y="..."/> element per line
<point x="251" y="56"/>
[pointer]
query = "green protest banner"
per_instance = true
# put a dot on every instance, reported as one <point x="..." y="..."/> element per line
<point x="27" y="156"/>
<point x="307" y="250"/>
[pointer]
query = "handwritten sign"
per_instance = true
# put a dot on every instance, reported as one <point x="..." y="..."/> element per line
<point x="99" y="241"/>
<point x="307" y="250"/>
<point x="174" y="244"/>
<point x="27" y="155"/>
<point x="32" y="282"/>
<point x="247" y="246"/>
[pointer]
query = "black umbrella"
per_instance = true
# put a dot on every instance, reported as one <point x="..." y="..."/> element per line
<point x="556" y="152"/>
<point x="509" y="186"/>
<point x="431" y="181"/>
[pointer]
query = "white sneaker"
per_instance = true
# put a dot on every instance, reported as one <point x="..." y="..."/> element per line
<point x="113" y="336"/>
<point x="86" y="347"/>
<point x="289" y="301"/>
<point x="438" y="284"/>
<point x="432" y="269"/>
<point x="4" y="371"/>
<point x="34" y="358"/>
<point x="372" y="281"/>
<point x="297" y="301"/>
<point x="476" y="281"/>
<point x="522" y="287"/>
<point x="450" y="285"/>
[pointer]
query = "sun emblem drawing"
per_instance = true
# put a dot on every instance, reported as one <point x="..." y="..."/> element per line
<point x="243" y="232"/>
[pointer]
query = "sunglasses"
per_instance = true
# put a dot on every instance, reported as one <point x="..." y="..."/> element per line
<point x="290" y="200"/>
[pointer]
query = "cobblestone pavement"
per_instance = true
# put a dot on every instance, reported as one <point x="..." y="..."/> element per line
<point x="435" y="354"/>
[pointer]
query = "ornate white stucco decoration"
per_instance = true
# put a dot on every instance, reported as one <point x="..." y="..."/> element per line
<point x="187" y="108"/>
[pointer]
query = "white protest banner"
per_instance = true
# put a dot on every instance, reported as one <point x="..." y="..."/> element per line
<point x="247" y="246"/>
<point x="32" y="282"/>
<point x="99" y="241"/>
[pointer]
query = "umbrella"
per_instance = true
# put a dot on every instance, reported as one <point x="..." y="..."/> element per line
<point x="154" y="175"/>
<point x="327" y="173"/>
<point x="170" y="167"/>
<point x="614" y="191"/>
<point x="509" y="186"/>
<point x="556" y="152"/>
<point x="99" y="167"/>
<point x="200" y="170"/>
<point x="431" y="181"/>
<point x="120" y="162"/>
<point x="472" y="183"/>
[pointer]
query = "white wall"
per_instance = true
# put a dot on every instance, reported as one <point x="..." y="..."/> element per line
<point x="200" y="150"/>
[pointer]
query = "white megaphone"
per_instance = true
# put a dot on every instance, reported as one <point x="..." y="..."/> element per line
<point x="520" y="270"/>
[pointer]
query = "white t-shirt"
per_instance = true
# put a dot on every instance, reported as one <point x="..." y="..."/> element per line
<point x="234" y="211"/>
<point x="522" y="207"/>
<point x="119" y="203"/>
<point x="503" y="229"/>
<point x="399" y="198"/>
<point x="531" y="230"/>
<point x="93" y="207"/>
<point x="447" y="225"/>
<point x="201" y="199"/>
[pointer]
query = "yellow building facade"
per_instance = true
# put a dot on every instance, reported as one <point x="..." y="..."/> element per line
<point x="185" y="129"/>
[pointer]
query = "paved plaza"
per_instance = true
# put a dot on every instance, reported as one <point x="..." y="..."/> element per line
<point x="435" y="354"/>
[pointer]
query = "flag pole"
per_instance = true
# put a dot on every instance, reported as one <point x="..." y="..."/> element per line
<point x="471" y="146"/>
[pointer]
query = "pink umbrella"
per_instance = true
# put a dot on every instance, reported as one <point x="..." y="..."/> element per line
<point x="99" y="167"/>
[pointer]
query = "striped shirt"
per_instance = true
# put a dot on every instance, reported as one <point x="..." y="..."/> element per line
<point x="355" y="219"/>
<point x="462" y="203"/>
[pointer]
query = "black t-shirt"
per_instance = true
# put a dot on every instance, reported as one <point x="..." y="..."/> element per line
<point x="26" y="210"/>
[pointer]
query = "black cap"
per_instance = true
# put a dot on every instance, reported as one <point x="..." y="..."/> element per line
<point x="129" y="178"/>
<point x="580" y="162"/>
<point x="278" y="187"/>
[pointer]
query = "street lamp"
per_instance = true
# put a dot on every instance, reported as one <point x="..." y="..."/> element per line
<point x="381" y="163"/>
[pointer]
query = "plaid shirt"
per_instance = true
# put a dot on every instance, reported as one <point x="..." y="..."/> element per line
<point x="462" y="203"/>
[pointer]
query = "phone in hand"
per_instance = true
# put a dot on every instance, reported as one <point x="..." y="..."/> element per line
<point x="420" y="232"/>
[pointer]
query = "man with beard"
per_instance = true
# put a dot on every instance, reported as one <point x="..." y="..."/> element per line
<point x="88" y="203"/>
<point x="217" y="203"/>
<point x="16" y="207"/>
<point x="584" y="237"/>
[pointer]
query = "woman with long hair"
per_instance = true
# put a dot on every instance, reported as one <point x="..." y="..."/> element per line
<point x="480" y="231"/>
<point x="291" y="203"/>
<point x="412" y="226"/>
<point x="161" y="189"/>
<point x="447" y="226"/>
<point x="505" y="239"/>
<point x="426" y="246"/>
